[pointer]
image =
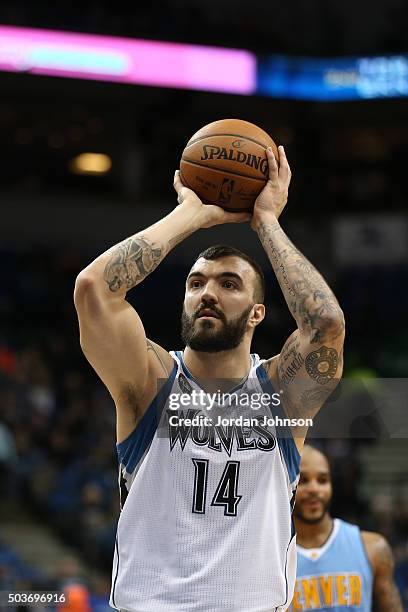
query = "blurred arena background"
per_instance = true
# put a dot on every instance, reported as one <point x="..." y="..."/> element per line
<point x="347" y="212"/>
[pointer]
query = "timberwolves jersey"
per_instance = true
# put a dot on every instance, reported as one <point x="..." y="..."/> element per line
<point x="207" y="490"/>
<point x="336" y="577"/>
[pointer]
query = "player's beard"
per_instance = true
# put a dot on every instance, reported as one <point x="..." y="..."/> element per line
<point x="206" y="338"/>
<point x="311" y="520"/>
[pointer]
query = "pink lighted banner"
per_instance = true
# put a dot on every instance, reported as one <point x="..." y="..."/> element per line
<point x="143" y="62"/>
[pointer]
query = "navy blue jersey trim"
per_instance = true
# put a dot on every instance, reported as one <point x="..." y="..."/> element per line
<point x="286" y="567"/>
<point x="286" y="442"/>
<point x="117" y="571"/>
<point x="184" y="367"/>
<point x="292" y="527"/>
<point x="131" y="450"/>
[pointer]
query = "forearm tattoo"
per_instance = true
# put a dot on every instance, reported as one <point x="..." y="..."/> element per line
<point x="131" y="261"/>
<point x="310" y="299"/>
<point x="135" y="258"/>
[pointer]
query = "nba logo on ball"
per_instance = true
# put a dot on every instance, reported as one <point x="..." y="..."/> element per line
<point x="227" y="188"/>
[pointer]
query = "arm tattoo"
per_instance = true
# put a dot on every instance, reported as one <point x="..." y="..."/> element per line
<point x="287" y="373"/>
<point x="291" y="347"/>
<point x="134" y="259"/>
<point x="131" y="261"/>
<point x="310" y="398"/>
<point x="310" y="299"/>
<point x="321" y="364"/>
<point x="151" y="347"/>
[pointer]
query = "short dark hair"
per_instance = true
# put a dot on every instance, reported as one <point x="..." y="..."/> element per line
<point x="320" y="449"/>
<point x="222" y="250"/>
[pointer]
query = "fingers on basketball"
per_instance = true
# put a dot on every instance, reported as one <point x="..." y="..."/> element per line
<point x="178" y="185"/>
<point x="284" y="169"/>
<point x="272" y="164"/>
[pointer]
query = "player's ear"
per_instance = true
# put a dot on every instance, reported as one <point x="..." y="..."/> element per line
<point x="258" y="313"/>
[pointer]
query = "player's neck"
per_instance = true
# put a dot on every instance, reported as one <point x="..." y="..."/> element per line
<point x="231" y="366"/>
<point x="314" y="535"/>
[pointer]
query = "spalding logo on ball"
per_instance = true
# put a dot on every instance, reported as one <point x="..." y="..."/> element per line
<point x="225" y="163"/>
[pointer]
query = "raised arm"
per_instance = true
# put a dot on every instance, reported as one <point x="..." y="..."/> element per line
<point x="112" y="336"/>
<point x="310" y="363"/>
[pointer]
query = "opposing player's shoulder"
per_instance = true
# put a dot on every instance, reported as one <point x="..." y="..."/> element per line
<point x="377" y="548"/>
<point x="385" y="591"/>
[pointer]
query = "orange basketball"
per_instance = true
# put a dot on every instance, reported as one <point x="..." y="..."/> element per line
<point x="225" y="163"/>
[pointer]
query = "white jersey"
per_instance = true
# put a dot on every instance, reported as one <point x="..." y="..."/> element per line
<point x="206" y="525"/>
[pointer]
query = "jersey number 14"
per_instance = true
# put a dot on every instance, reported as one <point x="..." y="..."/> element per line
<point x="225" y="493"/>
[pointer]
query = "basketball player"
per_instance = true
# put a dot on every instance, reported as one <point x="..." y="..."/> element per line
<point x="340" y="568"/>
<point x="206" y="509"/>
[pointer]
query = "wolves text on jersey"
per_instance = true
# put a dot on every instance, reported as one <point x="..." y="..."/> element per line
<point x="218" y="438"/>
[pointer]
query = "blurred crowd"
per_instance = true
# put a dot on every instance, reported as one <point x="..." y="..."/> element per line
<point x="58" y="426"/>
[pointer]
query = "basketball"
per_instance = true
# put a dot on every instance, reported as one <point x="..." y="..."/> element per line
<point x="225" y="163"/>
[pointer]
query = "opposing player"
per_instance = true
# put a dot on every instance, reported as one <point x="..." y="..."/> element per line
<point x="340" y="568"/>
<point x="206" y="509"/>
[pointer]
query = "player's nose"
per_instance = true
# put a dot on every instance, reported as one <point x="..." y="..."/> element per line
<point x="209" y="293"/>
<point x="312" y="486"/>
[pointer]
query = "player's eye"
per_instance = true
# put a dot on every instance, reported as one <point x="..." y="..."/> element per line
<point x="195" y="284"/>
<point x="228" y="284"/>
